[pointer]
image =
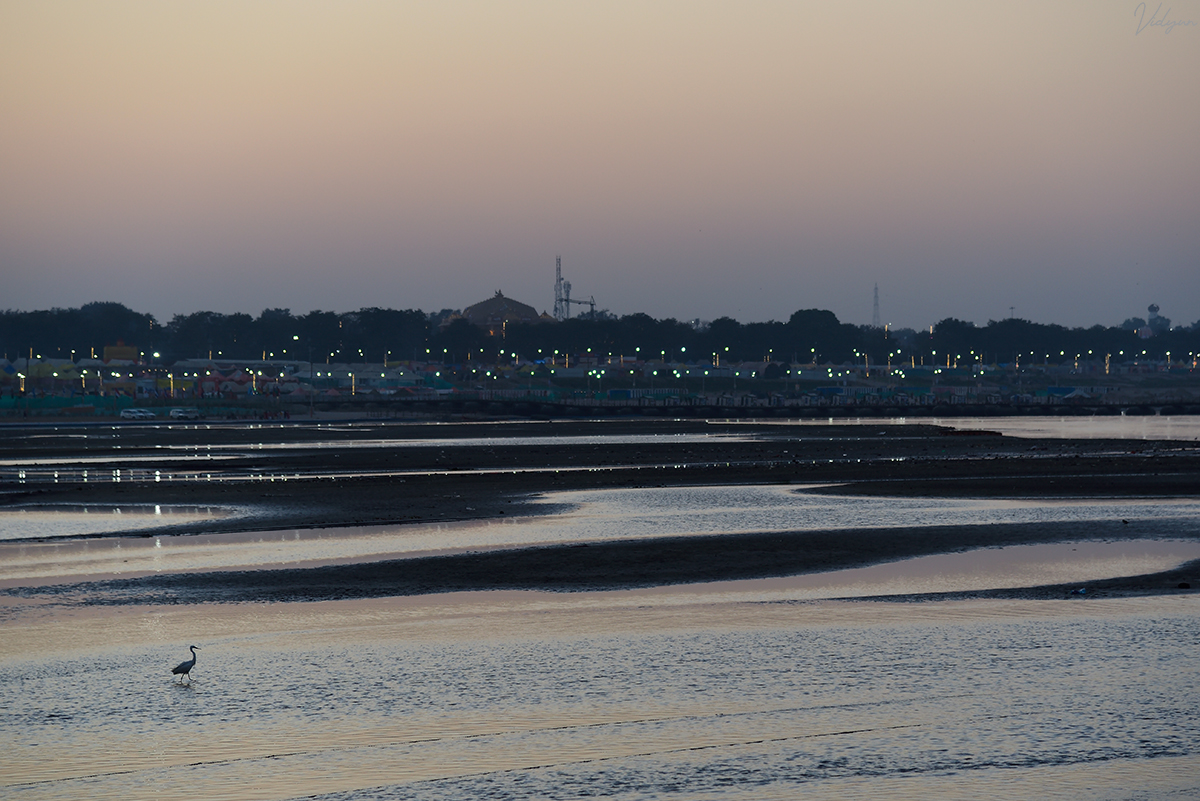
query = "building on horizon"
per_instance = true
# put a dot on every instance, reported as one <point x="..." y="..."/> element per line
<point x="497" y="311"/>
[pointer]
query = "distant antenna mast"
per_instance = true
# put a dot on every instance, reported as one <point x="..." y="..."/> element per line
<point x="562" y="295"/>
<point x="559" y="306"/>
<point x="875" y="317"/>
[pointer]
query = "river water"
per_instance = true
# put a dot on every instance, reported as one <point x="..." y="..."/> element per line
<point x="772" y="689"/>
<point x="587" y="516"/>
<point x="522" y="696"/>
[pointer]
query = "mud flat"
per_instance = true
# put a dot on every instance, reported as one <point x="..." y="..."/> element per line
<point x="287" y="477"/>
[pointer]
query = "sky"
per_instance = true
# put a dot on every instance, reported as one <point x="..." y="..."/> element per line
<point x="685" y="159"/>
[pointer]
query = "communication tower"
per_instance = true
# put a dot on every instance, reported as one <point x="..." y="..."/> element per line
<point x="562" y="295"/>
<point x="559" y="306"/>
<point x="562" y="291"/>
<point x="875" y="317"/>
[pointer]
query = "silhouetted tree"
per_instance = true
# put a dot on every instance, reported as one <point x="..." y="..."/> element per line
<point x="370" y="334"/>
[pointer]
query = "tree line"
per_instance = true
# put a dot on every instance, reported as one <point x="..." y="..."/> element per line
<point x="373" y="335"/>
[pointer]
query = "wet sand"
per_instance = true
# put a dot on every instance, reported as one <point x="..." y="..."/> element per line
<point x="357" y="475"/>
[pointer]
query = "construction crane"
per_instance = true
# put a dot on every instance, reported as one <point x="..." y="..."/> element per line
<point x="589" y="302"/>
<point x="562" y="295"/>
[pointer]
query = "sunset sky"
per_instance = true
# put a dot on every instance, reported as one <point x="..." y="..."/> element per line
<point x="686" y="159"/>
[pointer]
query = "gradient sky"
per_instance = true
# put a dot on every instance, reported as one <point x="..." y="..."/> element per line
<point x="686" y="159"/>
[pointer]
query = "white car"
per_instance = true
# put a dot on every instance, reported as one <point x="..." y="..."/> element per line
<point x="137" y="414"/>
<point x="185" y="414"/>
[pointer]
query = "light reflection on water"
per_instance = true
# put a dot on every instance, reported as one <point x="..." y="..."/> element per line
<point x="740" y="701"/>
<point x="590" y="516"/>
<point x="31" y="522"/>
<point x="486" y="442"/>
<point x="224" y="451"/>
<point x="980" y="569"/>
<point x="742" y="690"/>
<point x="66" y="470"/>
<point x="603" y="514"/>
<point x="1179" y="428"/>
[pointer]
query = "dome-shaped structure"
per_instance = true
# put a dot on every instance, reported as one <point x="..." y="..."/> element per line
<point x="493" y="313"/>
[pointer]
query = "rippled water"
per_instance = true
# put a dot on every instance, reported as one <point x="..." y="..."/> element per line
<point x="489" y="442"/>
<point x="205" y="462"/>
<point x="742" y="690"/>
<point x="1180" y="428"/>
<point x="35" y="522"/>
<point x="506" y="699"/>
<point x="590" y="516"/>
<point x="668" y="511"/>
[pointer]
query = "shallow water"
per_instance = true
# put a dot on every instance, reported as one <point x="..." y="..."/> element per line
<point x="588" y="516"/>
<point x="37" y="522"/>
<point x="204" y="462"/>
<point x="741" y="690"/>
<point x="513" y="697"/>
<point x="220" y="451"/>
<point x="733" y="690"/>
<point x="1010" y="567"/>
<point x="1179" y="428"/>
<point x="488" y="442"/>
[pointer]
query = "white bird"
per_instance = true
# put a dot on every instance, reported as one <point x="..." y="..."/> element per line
<point x="185" y="668"/>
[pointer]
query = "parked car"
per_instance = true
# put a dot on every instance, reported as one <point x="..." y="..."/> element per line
<point x="185" y="414"/>
<point x="137" y="414"/>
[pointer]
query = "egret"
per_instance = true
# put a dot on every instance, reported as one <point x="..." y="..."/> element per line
<point x="185" y="668"/>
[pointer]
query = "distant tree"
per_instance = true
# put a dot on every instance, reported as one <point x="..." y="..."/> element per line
<point x="105" y="322"/>
<point x="458" y="339"/>
<point x="723" y="337"/>
<point x="240" y="335"/>
<point x="378" y="332"/>
<point x="196" y="335"/>
<point x="273" y="332"/>
<point x="954" y="338"/>
<point x="641" y="334"/>
<point x="818" y="333"/>
<point x="438" y="318"/>
<point x="54" y="333"/>
<point x="321" y="336"/>
<point x="773" y="371"/>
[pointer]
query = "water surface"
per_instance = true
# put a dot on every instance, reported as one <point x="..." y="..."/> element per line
<point x="73" y="520"/>
<point x="746" y="691"/>
<point x="583" y="516"/>
<point x="503" y="698"/>
<point x="1180" y="428"/>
